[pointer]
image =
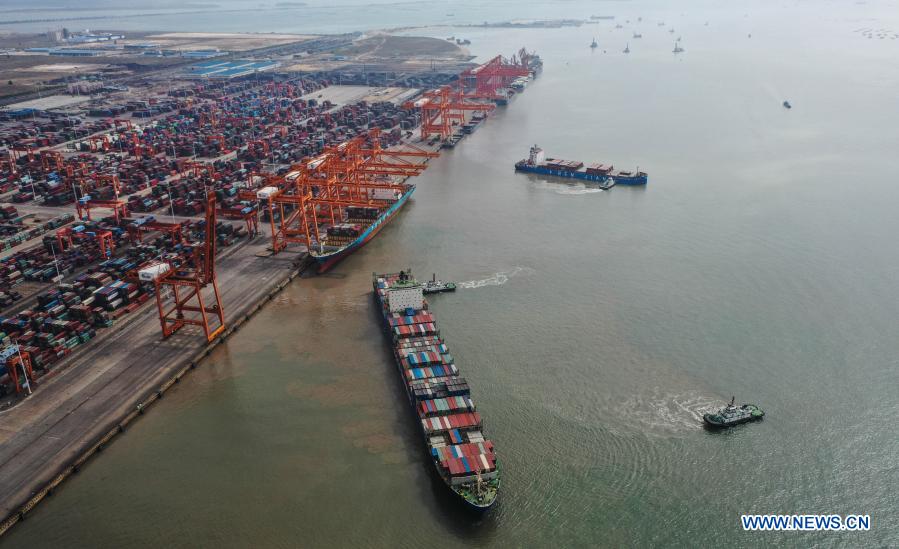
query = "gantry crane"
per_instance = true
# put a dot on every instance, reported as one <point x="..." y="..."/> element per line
<point x="187" y="283"/>
<point x="84" y="205"/>
<point x="487" y="79"/>
<point x="52" y="161"/>
<point x="442" y="108"/>
<point x="65" y="239"/>
<point x="356" y="173"/>
<point x="8" y="162"/>
<point x="174" y="230"/>
<point x="16" y="361"/>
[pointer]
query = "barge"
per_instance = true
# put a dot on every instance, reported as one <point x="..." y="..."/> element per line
<point x="538" y="163"/>
<point x="450" y="424"/>
<point x="342" y="239"/>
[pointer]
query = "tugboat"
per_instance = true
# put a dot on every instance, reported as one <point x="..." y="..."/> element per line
<point x="787" y="105"/>
<point x="732" y="415"/>
<point x="677" y="48"/>
<point x="594" y="45"/>
<point x="435" y="286"/>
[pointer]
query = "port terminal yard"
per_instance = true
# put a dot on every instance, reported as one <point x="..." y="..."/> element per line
<point x="135" y="181"/>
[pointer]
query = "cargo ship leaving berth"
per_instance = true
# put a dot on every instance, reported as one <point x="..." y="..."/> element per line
<point x="598" y="173"/>
<point x="362" y="224"/>
<point x="451" y="426"/>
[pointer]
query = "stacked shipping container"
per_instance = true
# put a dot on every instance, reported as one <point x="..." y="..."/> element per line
<point x="450" y="423"/>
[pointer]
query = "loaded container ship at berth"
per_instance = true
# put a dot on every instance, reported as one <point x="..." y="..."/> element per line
<point x="598" y="173"/>
<point x="438" y="395"/>
<point x="361" y="225"/>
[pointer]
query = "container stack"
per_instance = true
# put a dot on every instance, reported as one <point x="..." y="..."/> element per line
<point x="565" y="165"/>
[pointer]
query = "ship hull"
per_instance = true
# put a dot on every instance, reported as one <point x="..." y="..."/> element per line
<point x="583" y="176"/>
<point x="457" y="490"/>
<point x="326" y="261"/>
<point x="720" y="425"/>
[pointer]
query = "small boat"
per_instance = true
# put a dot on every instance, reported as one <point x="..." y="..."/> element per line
<point x="787" y="105"/>
<point x="619" y="26"/>
<point x="435" y="286"/>
<point x="677" y="48"/>
<point x="627" y="48"/>
<point x="594" y="45"/>
<point x="638" y="35"/>
<point x="732" y="415"/>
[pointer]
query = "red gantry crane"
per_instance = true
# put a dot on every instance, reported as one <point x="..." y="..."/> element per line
<point x="136" y="231"/>
<point x="8" y="163"/>
<point x="18" y="362"/>
<point x="356" y="173"/>
<point x="84" y="205"/>
<point x="65" y="239"/>
<point x="187" y="283"/>
<point x="443" y="108"/>
<point x="486" y="80"/>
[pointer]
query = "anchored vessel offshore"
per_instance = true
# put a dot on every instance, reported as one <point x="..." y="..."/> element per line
<point x="598" y="173"/>
<point x="360" y="226"/>
<point x="452" y="427"/>
<point x="732" y="415"/>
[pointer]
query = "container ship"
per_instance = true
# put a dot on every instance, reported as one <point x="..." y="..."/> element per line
<point x="441" y="399"/>
<point x="359" y="226"/>
<point x="598" y="173"/>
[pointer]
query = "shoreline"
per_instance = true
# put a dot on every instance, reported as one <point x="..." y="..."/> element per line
<point x="61" y="466"/>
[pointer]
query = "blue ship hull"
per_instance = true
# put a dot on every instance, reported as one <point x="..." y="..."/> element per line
<point x="584" y="176"/>
<point x="328" y="259"/>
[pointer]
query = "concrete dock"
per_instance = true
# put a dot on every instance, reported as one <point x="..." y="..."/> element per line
<point x="97" y="391"/>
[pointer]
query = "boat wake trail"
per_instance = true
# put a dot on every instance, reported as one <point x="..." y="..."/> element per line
<point x="578" y="190"/>
<point x="669" y="413"/>
<point x="568" y="189"/>
<point x="498" y="279"/>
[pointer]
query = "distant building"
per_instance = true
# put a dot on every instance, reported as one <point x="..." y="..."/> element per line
<point x="201" y="54"/>
<point x="87" y="37"/>
<point x="74" y="53"/>
<point x="143" y="46"/>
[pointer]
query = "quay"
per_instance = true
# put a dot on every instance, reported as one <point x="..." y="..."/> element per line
<point x="73" y="292"/>
<point x="111" y="382"/>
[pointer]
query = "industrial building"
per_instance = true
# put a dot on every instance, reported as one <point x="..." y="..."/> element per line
<point x="230" y="69"/>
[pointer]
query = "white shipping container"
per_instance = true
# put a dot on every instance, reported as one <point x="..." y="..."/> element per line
<point x="400" y="299"/>
<point x="383" y="194"/>
<point x="266" y="192"/>
<point x="151" y="273"/>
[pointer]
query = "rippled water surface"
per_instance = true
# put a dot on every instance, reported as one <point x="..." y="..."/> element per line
<point x="594" y="327"/>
